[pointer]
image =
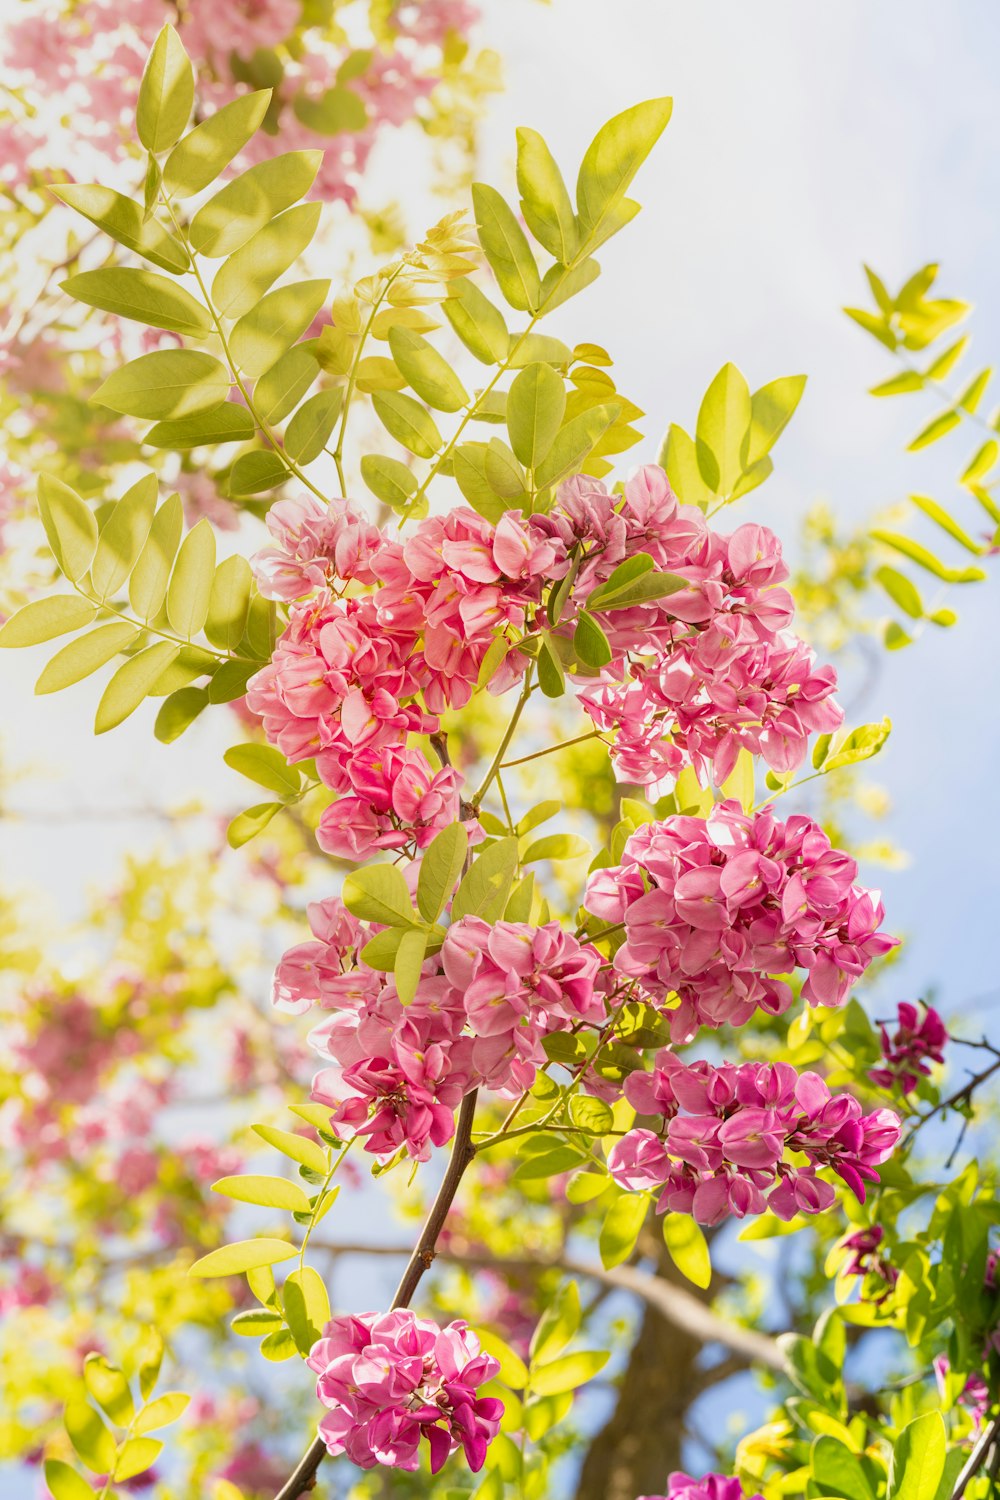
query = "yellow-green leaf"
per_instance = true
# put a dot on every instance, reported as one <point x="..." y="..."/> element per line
<point x="427" y="371"/>
<point x="723" y="430"/>
<point x="477" y="322"/>
<point x="307" y="1307"/>
<point x="161" y="1412"/>
<point x="147" y="585"/>
<point x="298" y="1147"/>
<point x="65" y="1483"/>
<point x="251" y="200"/>
<point x="545" y="201"/>
<point x="70" y="526"/>
<point x="506" y="248"/>
<point x="242" y="280"/>
<point x="190" y="589"/>
<point x="130" y="292"/>
<point x="276" y="321"/>
<point x="408" y="422"/>
<point x="44" y="619"/>
<point x="568" y="1372"/>
<point x="622" y="1225"/>
<point x="166" y="94"/>
<point x="85" y="655"/>
<point x="267" y="1192"/>
<point x="207" y="150"/>
<point x="166" y="383"/>
<point x="280" y="389"/>
<point x="228" y="423"/>
<point x="611" y="161"/>
<point x="244" y="1255"/>
<point x="89" y="1436"/>
<point x="229" y="603"/>
<point x="536" y="405"/>
<point x="309" y="430"/>
<point x="679" y="456"/>
<point x="123" y="220"/>
<point x="771" y="410"/>
<point x="440" y="867"/>
<point x="136" y="1456"/>
<point x="123" y="536"/>
<point x="133" y="682"/>
<point x="388" y="479"/>
<point x="688" y="1248"/>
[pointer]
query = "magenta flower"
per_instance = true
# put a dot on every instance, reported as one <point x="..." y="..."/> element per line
<point x="727" y="1134"/>
<point x="709" y="1487"/>
<point x="715" y="910"/>
<point x="918" y="1041"/>
<point x="391" y="1379"/>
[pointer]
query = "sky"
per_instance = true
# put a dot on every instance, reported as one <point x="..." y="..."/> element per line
<point x="805" y="139"/>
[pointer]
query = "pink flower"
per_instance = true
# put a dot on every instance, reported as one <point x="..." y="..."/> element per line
<point x="398" y="801"/>
<point x="315" y="545"/>
<point x="391" y="1379"/>
<point x="709" y="1487"/>
<point x="917" y="1042"/>
<point x="727" y="1133"/>
<point x="732" y="902"/>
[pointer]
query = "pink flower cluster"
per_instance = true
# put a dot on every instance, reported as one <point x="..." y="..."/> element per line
<point x="709" y="1487"/>
<point x="481" y="1011"/>
<point x="918" y="1041"/>
<point x="702" y="673"/>
<point x="727" y="1132"/>
<point x="715" y="908"/>
<point x="391" y="1379"/>
<point x="866" y="1258"/>
<point x="77" y="68"/>
<point x="343" y="684"/>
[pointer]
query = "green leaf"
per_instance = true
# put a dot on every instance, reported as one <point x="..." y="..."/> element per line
<point x="123" y="536"/>
<point x="161" y="1412"/>
<point x="506" y="248"/>
<point x="255" y="472"/>
<point x="688" y="1248"/>
<point x="65" y="1483"/>
<point x="307" y="1307"/>
<point x="388" y="479"/>
<point x="408" y="422"/>
<point x="545" y="202"/>
<point x="280" y="389"/>
<point x="410" y="955"/>
<point x="592" y="1115"/>
<point x="276" y="320"/>
<point x="427" y="371"/>
<point x="860" y="744"/>
<point x="556" y="846"/>
<point x="568" y="1373"/>
<point x="298" y="1148"/>
<point x="267" y="1192"/>
<point x="937" y="428"/>
<point x="536" y="405"/>
<point x="621" y="1228"/>
<point x="941" y="518"/>
<point x="190" y="589"/>
<point x="925" y="559"/>
<point x="178" y="712"/>
<point x="550" y="1163"/>
<point x="918" y="1459"/>
<point x="207" y="150"/>
<point x="486" y="886"/>
<point x="247" y="824"/>
<point x="771" y="410"/>
<point x="504" y="474"/>
<point x="551" y="674"/>
<point x="336" y="110"/>
<point x="679" y="456"/>
<point x="85" y="655"/>
<point x="901" y="591"/>
<point x="723" y="430"/>
<point x="166" y="383"/>
<point x="44" y="619"/>
<point x="560" y="284"/>
<point x="136" y="1456"/>
<point x="149" y="1359"/>
<point x="839" y="1470"/>
<point x="232" y="1260"/>
<point x="130" y="292"/>
<point x="133" y="682"/>
<point x="278" y="1346"/>
<point x="166" y="94"/>
<point x="590" y="643"/>
<point x="477" y="322"/>
<point x="242" y="280"/>
<point x="123" y="221"/>
<point x="379" y="894"/>
<point x="609" y="165"/>
<point x="70" y="526"/>
<point x="89" y="1436"/>
<point x="109" y="1388"/>
<point x="513" y="1370"/>
<point x="257" y="1321"/>
<point x="251" y="200"/>
<point x="309" y="430"/>
<point x="629" y="585"/>
<point x="229" y="603"/>
<point x="899" y="385"/>
<point x="440" y="867"/>
<point x="558" y="1323"/>
<point x="228" y="423"/>
<point x="574" y="443"/>
<point x="896" y="637"/>
<point x="147" y="586"/>
<point x="266" y="766"/>
<point x="470" y="475"/>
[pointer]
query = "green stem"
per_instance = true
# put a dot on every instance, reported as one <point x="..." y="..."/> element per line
<point x="505" y="742"/>
<point x="352" y="379"/>
<point x="264" y="426"/>
<point x="522" y="760"/>
<point x="166" y="635"/>
<point x="335" y="1162"/>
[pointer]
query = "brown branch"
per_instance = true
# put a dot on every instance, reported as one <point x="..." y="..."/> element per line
<point x="678" y="1306"/>
<point x="977" y="1458"/>
<point x="462" y="1152"/>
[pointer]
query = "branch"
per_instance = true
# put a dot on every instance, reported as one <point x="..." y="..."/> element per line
<point x="462" y="1152"/>
<point x="977" y="1458"/>
<point x="679" y="1307"/>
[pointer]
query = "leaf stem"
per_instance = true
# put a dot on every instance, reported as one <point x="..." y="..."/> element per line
<point x="497" y="761"/>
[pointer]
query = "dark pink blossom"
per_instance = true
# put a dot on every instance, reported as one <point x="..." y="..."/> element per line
<point x="917" y="1042"/>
